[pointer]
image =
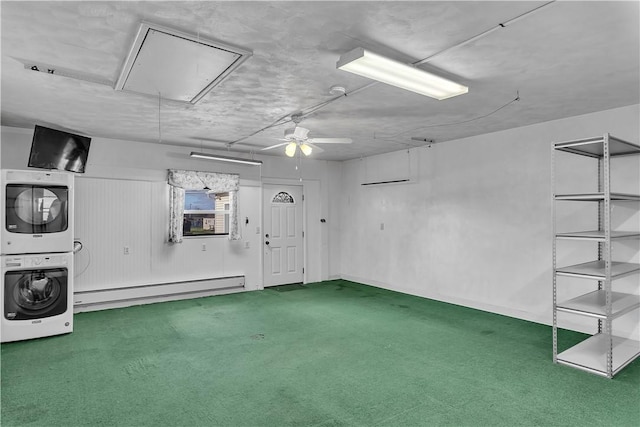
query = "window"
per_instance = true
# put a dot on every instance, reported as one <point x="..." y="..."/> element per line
<point x="211" y="207"/>
<point x="283" y="197"/>
<point x="206" y="213"/>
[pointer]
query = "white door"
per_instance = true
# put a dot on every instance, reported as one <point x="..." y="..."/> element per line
<point x="282" y="234"/>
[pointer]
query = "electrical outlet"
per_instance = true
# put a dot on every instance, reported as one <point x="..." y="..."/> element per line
<point x="382" y="226"/>
<point x="126" y="250"/>
<point x="257" y="230"/>
<point x="204" y="246"/>
<point x="246" y="245"/>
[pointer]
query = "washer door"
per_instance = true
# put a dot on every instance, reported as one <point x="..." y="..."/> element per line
<point x="35" y="294"/>
<point x="36" y="209"/>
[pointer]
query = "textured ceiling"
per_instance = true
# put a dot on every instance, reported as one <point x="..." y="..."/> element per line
<point x="566" y="59"/>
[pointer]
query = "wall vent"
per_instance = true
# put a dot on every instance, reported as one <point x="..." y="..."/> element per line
<point x="397" y="167"/>
<point x="395" y="181"/>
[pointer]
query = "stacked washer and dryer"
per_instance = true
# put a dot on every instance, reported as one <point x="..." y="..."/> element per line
<point x="37" y="254"/>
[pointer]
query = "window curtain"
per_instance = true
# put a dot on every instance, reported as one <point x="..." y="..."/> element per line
<point x="181" y="180"/>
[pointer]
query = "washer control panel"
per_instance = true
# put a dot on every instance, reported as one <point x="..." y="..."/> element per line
<point x="35" y="261"/>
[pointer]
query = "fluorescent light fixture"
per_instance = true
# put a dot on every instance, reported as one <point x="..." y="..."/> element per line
<point x="226" y="159"/>
<point x="290" y="149"/>
<point x="368" y="64"/>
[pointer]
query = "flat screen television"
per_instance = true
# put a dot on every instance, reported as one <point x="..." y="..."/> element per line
<point x="55" y="149"/>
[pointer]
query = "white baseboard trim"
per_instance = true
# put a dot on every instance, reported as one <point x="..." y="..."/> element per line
<point x="137" y="295"/>
<point x="518" y="314"/>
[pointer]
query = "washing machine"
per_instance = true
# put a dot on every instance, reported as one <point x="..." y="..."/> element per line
<point x="38" y="212"/>
<point x="37" y="295"/>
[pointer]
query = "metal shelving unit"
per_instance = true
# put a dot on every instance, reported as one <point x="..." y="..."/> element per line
<point x="603" y="353"/>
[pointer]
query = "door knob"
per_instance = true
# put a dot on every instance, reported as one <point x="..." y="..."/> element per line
<point x="266" y="235"/>
<point x="266" y="243"/>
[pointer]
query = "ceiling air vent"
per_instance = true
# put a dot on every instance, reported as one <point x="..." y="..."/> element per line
<point x="173" y="65"/>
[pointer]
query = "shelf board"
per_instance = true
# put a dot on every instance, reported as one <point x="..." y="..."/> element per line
<point x="594" y="147"/>
<point x="591" y="354"/>
<point x="597" y="197"/>
<point x="595" y="270"/>
<point x="598" y="235"/>
<point x="593" y="304"/>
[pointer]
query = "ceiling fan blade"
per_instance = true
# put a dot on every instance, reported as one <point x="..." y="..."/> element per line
<point x="330" y="140"/>
<point x="316" y="149"/>
<point x="274" y="146"/>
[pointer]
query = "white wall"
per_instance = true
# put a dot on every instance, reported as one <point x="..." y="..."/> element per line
<point x="122" y="200"/>
<point x="474" y="228"/>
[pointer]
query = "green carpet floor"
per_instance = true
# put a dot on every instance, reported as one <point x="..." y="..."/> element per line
<point x="325" y="354"/>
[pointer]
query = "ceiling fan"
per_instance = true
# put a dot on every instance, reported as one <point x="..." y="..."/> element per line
<point x="297" y="137"/>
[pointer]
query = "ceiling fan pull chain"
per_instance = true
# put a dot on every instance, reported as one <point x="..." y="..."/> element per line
<point x="159" y="127"/>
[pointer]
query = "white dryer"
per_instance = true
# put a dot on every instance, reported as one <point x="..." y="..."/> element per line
<point x="37" y="295"/>
<point x="38" y="212"/>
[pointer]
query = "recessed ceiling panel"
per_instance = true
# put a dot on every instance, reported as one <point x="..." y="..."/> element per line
<point x="174" y="65"/>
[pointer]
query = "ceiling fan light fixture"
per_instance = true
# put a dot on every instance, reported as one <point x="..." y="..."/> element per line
<point x="306" y="149"/>
<point x="290" y="150"/>
<point x="377" y="67"/>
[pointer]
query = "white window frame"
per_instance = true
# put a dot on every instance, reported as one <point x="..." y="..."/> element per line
<point x="225" y="212"/>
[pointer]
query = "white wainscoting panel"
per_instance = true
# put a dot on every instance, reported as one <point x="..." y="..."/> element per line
<point x="113" y="224"/>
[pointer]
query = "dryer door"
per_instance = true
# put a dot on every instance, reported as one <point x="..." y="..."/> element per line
<point x="36" y="209"/>
<point x="35" y="294"/>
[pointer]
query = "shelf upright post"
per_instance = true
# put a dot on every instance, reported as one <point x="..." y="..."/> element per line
<point x="553" y="239"/>
<point x="607" y="252"/>
<point x="600" y="223"/>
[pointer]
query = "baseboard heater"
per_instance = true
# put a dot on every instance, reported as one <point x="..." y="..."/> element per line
<point x="136" y="295"/>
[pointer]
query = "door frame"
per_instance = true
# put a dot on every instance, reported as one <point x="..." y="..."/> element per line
<point x="291" y="182"/>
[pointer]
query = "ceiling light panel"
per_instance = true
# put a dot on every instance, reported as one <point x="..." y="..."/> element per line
<point x="377" y="67"/>
<point x="174" y="65"/>
<point x="225" y="158"/>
